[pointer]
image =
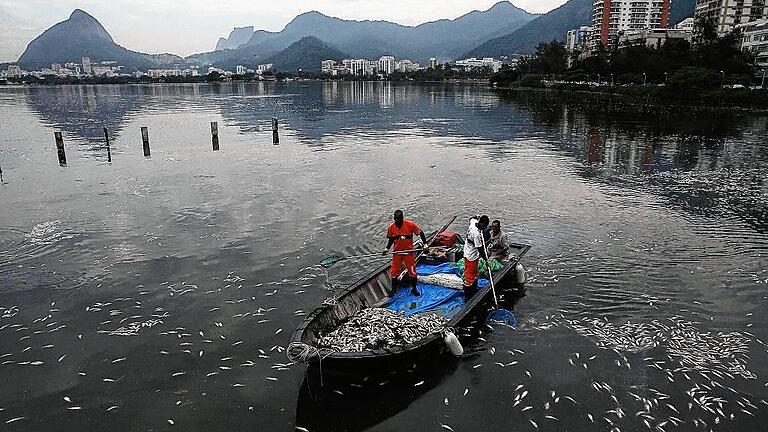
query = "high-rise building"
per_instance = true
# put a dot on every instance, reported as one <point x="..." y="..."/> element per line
<point x="577" y="38"/>
<point x="686" y="24"/>
<point x="240" y="70"/>
<point x="433" y="63"/>
<point x="361" y="67"/>
<point x="14" y="71"/>
<point x="387" y="65"/>
<point x="475" y="63"/>
<point x="87" y="66"/>
<point x="327" y="66"/>
<point x="727" y="14"/>
<point x="754" y="39"/>
<point x="610" y="17"/>
<point x="406" y="65"/>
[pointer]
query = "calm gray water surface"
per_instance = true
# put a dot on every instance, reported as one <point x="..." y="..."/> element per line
<point x="158" y="293"/>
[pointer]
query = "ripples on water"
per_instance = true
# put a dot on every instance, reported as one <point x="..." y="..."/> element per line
<point x="161" y="292"/>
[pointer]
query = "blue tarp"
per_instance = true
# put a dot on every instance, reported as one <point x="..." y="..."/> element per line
<point x="426" y="269"/>
<point x="433" y="298"/>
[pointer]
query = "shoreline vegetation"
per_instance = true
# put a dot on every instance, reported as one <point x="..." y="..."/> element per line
<point x="645" y="98"/>
<point x="713" y="72"/>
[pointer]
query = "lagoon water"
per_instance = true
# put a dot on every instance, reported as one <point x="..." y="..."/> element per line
<point x="159" y="293"/>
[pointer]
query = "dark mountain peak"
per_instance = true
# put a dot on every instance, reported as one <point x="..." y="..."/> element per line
<point x="311" y="16"/>
<point x="504" y="5"/>
<point x="79" y="36"/>
<point x="79" y="14"/>
<point x="309" y="42"/>
<point x="305" y="54"/>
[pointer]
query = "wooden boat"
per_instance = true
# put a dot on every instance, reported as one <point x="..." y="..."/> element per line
<point x="375" y="289"/>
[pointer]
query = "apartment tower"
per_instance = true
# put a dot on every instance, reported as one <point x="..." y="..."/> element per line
<point x="727" y="14"/>
<point x="610" y="17"/>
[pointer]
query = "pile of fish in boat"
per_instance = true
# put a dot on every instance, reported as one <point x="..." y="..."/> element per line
<point x="379" y="328"/>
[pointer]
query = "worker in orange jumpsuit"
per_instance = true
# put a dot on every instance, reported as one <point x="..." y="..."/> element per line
<point x="400" y="234"/>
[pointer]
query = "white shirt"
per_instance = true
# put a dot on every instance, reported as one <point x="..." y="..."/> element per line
<point x="474" y="241"/>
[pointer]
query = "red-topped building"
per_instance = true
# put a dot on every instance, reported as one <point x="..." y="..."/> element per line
<point x="611" y="17"/>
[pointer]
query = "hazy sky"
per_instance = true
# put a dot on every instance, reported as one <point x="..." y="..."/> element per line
<point x="190" y="26"/>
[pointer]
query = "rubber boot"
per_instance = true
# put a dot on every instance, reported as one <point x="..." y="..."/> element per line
<point x="469" y="292"/>
<point x="395" y="284"/>
<point x="414" y="291"/>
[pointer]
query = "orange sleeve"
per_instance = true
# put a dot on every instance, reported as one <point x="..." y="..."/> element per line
<point x="415" y="228"/>
<point x="389" y="231"/>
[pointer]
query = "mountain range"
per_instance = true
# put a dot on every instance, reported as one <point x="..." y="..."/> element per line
<point x="444" y="39"/>
<point x="502" y="30"/>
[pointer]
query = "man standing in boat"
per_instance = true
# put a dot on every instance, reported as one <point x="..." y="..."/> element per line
<point x="400" y="234"/>
<point x="473" y="251"/>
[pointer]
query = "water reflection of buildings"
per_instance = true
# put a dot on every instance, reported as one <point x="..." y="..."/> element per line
<point x="627" y="146"/>
<point x="382" y="94"/>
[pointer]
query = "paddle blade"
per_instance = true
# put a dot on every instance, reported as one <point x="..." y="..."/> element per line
<point x="330" y="261"/>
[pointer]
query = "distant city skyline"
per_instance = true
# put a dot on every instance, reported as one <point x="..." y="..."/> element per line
<point x="186" y="27"/>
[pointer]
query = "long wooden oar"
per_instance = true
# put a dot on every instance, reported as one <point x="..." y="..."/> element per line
<point x="490" y="272"/>
<point x="443" y="228"/>
<point x="329" y="261"/>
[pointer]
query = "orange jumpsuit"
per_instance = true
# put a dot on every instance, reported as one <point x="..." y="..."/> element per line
<point x="403" y="241"/>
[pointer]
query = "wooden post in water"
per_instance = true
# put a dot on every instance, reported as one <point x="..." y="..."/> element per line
<point x="215" y="135"/>
<point x="275" y="134"/>
<point x="145" y="140"/>
<point x="106" y="140"/>
<point x="60" y="148"/>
